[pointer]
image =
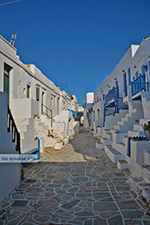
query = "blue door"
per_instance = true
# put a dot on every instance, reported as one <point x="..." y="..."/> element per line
<point x="125" y="84"/>
<point x="6" y="84"/>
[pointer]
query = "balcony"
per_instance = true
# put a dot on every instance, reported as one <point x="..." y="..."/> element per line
<point x="139" y="85"/>
<point x="112" y="94"/>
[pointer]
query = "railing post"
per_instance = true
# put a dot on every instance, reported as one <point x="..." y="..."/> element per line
<point x="11" y="127"/>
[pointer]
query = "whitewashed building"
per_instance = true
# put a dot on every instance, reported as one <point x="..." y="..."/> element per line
<point x="121" y="107"/>
<point x="88" y="104"/>
<point x="31" y="105"/>
<point x="74" y="103"/>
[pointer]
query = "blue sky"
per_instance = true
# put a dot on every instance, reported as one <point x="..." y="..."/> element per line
<point x="76" y="43"/>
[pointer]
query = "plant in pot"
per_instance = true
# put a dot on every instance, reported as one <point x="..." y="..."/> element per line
<point x="146" y="127"/>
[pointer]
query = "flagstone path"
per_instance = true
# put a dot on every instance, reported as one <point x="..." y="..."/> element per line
<point x="77" y="185"/>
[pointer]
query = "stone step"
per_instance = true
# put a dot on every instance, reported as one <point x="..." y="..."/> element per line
<point x="136" y="133"/>
<point x="124" y="119"/>
<point x="141" y="188"/>
<point x="22" y="135"/>
<point x="140" y="170"/>
<point x="118" y="137"/>
<point x="22" y="128"/>
<point x="121" y="143"/>
<point x="120" y="122"/>
<point x="105" y="141"/>
<point x="108" y="135"/>
<point x="137" y="127"/>
<point x="113" y="154"/>
<point x="120" y="147"/>
<point x="113" y="131"/>
<point x="122" y="164"/>
<point x="99" y="145"/>
<point x="22" y="121"/>
<point x="146" y="171"/>
<point x="147" y="157"/>
<point x="116" y="127"/>
<point x="124" y="140"/>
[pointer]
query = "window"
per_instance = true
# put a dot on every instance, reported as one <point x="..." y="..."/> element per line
<point x="28" y="91"/>
<point x="93" y="115"/>
<point x="136" y="74"/>
<point x="124" y="85"/>
<point x="103" y="97"/>
<point x="98" y="113"/>
<point x="37" y="93"/>
<point x="51" y="100"/>
<point x="6" y="81"/>
<point x="57" y="105"/>
<point x="129" y="76"/>
<point x="142" y="69"/>
<point x="7" y="69"/>
<point x="54" y="100"/>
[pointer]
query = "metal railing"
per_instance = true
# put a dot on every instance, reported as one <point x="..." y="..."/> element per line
<point x="116" y="106"/>
<point x="113" y="93"/>
<point x="139" y="85"/>
<point x="11" y="127"/>
<point x="48" y="112"/>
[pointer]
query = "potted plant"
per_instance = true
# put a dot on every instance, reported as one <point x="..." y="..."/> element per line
<point x="146" y="127"/>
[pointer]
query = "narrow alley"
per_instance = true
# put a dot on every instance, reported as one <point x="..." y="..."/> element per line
<point x="77" y="185"/>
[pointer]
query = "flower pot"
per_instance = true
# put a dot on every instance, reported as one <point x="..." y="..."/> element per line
<point x="149" y="133"/>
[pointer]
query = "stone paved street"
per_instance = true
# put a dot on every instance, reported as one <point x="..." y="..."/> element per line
<point x="77" y="185"/>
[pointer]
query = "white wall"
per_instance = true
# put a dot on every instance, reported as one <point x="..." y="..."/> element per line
<point x="88" y="104"/>
<point x="134" y="58"/>
<point x="9" y="172"/>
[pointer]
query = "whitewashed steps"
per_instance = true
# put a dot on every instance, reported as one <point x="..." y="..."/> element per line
<point x="113" y="154"/>
<point x="99" y="145"/>
<point x="142" y="189"/>
<point x="122" y="164"/>
<point x="136" y="133"/>
<point x="140" y="170"/>
<point x="105" y="141"/>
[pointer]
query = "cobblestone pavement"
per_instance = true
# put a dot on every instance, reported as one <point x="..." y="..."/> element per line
<point x="77" y="185"/>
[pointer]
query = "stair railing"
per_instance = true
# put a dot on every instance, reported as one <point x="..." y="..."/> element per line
<point x="11" y="127"/>
<point x="48" y="112"/>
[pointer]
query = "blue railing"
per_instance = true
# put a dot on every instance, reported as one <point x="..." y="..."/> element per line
<point x="113" y="93"/>
<point x="139" y="85"/>
<point x="111" y="110"/>
<point x="11" y="127"/>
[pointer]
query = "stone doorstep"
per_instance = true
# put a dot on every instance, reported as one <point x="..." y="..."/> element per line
<point x="121" y="143"/>
<point x="113" y="154"/>
<point x="122" y="164"/>
<point x="105" y="141"/>
<point x="99" y="145"/>
<point x="142" y="189"/>
<point x="108" y="132"/>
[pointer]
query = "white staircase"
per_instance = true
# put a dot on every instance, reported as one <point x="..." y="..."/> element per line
<point x="146" y="104"/>
<point x="140" y="179"/>
<point x="57" y="135"/>
<point x="137" y="131"/>
<point x="9" y="172"/>
<point x="44" y="130"/>
<point x="24" y="110"/>
<point x="26" y="129"/>
<point x="115" y="139"/>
